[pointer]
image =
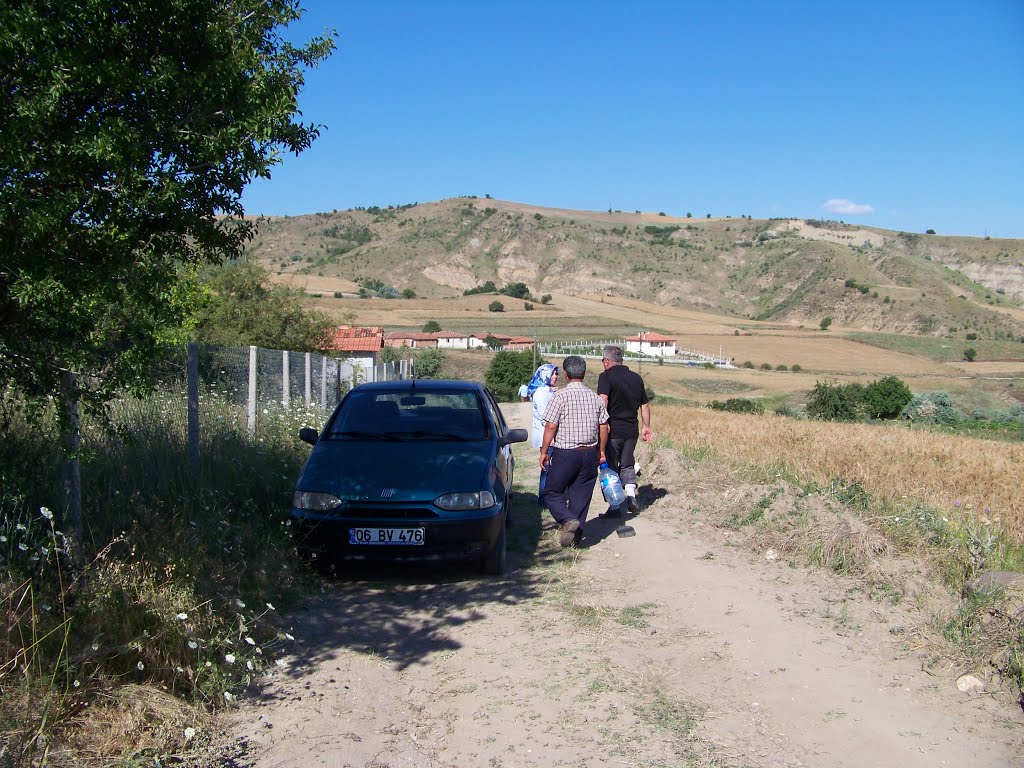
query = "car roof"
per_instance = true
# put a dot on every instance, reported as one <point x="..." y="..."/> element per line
<point x="427" y="385"/>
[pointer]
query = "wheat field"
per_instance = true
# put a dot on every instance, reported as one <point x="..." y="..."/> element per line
<point x="957" y="475"/>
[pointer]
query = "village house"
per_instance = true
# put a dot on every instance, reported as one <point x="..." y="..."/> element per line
<point x="356" y="343"/>
<point x="416" y="340"/>
<point x="651" y="343"/>
<point x="452" y="340"/>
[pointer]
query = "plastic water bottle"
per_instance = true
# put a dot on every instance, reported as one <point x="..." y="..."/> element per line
<point x="611" y="486"/>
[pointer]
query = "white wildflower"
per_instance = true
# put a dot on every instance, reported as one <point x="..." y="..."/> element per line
<point x="229" y="658"/>
<point x="271" y="607"/>
<point x="140" y="666"/>
<point x="183" y="616"/>
<point x="250" y="641"/>
<point x="249" y="666"/>
<point x="23" y="546"/>
<point x="76" y="684"/>
<point x="239" y="603"/>
<point x="193" y="644"/>
<point x="46" y="513"/>
<point x="190" y="734"/>
<point x="228" y="696"/>
<point x="288" y="636"/>
<point x="280" y="662"/>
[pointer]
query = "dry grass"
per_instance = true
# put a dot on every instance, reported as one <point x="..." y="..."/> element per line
<point x="890" y="463"/>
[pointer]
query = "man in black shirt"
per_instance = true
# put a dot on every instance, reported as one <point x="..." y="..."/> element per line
<point x="623" y="392"/>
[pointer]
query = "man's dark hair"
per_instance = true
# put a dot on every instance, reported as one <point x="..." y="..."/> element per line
<point x="613" y="353"/>
<point x="575" y="367"/>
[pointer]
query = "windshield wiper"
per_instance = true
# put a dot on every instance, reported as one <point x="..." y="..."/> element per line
<point x="359" y="435"/>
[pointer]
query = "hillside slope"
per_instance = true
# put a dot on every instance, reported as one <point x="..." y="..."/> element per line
<point x="783" y="270"/>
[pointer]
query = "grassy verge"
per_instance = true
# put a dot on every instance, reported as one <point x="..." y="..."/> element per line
<point x="170" y="604"/>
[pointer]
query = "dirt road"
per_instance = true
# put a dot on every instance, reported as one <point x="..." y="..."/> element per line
<point x="679" y="646"/>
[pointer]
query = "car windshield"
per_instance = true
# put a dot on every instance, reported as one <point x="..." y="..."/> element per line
<point x="411" y="414"/>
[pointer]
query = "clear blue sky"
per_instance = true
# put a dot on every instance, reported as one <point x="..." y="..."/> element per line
<point x="900" y="114"/>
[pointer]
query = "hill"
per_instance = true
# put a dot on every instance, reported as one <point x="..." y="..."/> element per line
<point x="788" y="271"/>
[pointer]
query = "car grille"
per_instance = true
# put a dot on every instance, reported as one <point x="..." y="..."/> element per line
<point x="388" y="512"/>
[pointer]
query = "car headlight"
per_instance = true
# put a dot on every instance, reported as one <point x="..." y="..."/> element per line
<point x="318" y="502"/>
<point x="475" y="500"/>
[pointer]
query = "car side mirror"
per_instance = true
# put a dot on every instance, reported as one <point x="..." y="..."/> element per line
<point x="513" y="436"/>
<point x="308" y="435"/>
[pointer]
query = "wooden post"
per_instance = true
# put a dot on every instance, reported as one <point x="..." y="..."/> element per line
<point x="193" y="406"/>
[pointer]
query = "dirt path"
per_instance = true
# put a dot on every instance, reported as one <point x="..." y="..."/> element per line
<point x="673" y="647"/>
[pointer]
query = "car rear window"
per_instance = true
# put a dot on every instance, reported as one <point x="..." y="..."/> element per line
<point x="413" y="415"/>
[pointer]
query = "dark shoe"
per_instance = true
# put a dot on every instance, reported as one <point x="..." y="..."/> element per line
<point x="613" y="512"/>
<point x="567" y="536"/>
<point x="633" y="505"/>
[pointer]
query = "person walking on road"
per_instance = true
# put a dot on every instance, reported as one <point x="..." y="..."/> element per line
<point x="623" y="393"/>
<point x="539" y="391"/>
<point x="576" y="431"/>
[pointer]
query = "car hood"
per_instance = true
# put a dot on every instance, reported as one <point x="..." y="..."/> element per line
<point x="356" y="470"/>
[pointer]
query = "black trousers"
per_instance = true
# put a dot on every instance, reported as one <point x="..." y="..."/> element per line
<point x="619" y="452"/>
<point x="570" y="484"/>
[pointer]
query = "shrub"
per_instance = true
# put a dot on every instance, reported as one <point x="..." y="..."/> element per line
<point x="737" y="405"/>
<point x="428" y="363"/>
<point x="516" y="291"/>
<point x="545" y="299"/>
<point x="495" y="306"/>
<point x="825" y="323"/>
<point x="970" y="354"/>
<point x="408" y="293"/>
<point x="929" y="231"/>
<point x="836" y="402"/>
<point x="766" y="366"/>
<point x="431" y="326"/>
<point x="795" y="368"/>
<point x="886" y="398"/>
<point x="507" y="372"/>
<point x="781" y="367"/>
<point x="931" y="408"/>
<point x="488" y="287"/>
<point x="338" y="294"/>
<point x="790" y="412"/>
<point x="527" y="306"/>
<point x="971" y="336"/>
<point x="747" y="364"/>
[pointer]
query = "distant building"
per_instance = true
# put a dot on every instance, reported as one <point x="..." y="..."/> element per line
<point x="410" y="339"/>
<point x="452" y="340"/>
<point x="518" y="343"/>
<point x="651" y="343"/>
<point x="355" y="342"/>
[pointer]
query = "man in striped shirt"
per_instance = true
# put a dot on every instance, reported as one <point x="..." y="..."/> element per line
<point x="576" y="428"/>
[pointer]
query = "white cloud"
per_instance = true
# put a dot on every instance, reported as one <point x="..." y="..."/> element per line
<point x="847" y="207"/>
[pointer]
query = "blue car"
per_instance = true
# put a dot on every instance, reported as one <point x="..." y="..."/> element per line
<point x="413" y="469"/>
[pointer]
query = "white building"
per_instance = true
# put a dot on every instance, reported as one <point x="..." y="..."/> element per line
<point x="452" y="340"/>
<point x="651" y="343"/>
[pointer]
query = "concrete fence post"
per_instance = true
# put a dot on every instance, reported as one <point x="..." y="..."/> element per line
<point x="309" y="383"/>
<point x="285" y="388"/>
<point x="193" y="406"/>
<point x="252" y="391"/>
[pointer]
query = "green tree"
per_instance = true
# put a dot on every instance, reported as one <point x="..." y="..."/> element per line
<point x="545" y="299"/>
<point x="496" y="306"/>
<point x="408" y="293"/>
<point x="970" y="354"/>
<point x="825" y="323"/>
<point x="239" y="309"/>
<point x="492" y="342"/>
<point x="127" y="134"/>
<point x="836" y="402"/>
<point x="507" y="372"/>
<point x="428" y="363"/>
<point x="431" y="326"/>
<point x="886" y="398"/>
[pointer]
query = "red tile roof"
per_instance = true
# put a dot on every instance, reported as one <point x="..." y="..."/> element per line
<point x="345" y="338"/>
<point x="649" y="336"/>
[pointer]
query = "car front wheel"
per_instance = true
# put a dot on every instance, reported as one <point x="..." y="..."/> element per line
<point x="494" y="562"/>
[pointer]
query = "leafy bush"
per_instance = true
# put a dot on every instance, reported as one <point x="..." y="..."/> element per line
<point x="931" y="408"/>
<point x="527" y="305"/>
<point x="488" y="287"/>
<point x="887" y="397"/>
<point x="516" y="291"/>
<point x="495" y="306"/>
<point x="971" y="336"/>
<point x="790" y="412"/>
<point x="825" y="323"/>
<point x="431" y="326"/>
<point x="408" y="293"/>
<point x="507" y="372"/>
<point x="545" y="299"/>
<point x="428" y="363"/>
<point x="970" y="354"/>
<point x="737" y="405"/>
<point x="795" y="368"/>
<point x="747" y="364"/>
<point x="837" y="402"/>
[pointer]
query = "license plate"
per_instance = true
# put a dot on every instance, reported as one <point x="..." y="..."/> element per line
<point x="386" y="536"/>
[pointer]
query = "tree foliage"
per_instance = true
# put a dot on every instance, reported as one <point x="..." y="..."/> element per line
<point x="240" y="309"/>
<point x="507" y="372"/>
<point x="431" y="326"/>
<point x="427" y="363"/>
<point x="887" y="397"/>
<point x="836" y="402"/>
<point x="128" y="132"/>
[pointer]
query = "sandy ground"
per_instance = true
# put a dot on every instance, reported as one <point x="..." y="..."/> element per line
<point x="680" y="646"/>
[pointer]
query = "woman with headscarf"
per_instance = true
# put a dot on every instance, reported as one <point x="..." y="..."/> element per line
<point x="539" y="390"/>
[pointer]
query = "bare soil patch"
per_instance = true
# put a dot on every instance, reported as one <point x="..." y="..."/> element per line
<point x="691" y="643"/>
